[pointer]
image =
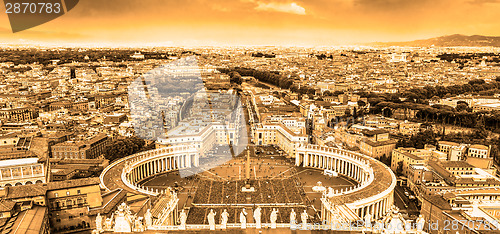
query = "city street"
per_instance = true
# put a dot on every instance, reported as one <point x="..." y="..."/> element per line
<point x="405" y="205"/>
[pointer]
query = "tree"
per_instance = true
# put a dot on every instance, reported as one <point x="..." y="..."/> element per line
<point x="399" y="169"/>
<point x="476" y="82"/>
<point x="419" y="140"/>
<point x="361" y="103"/>
<point x="235" y="77"/>
<point x="347" y="112"/>
<point x="385" y="159"/>
<point x="122" y="147"/>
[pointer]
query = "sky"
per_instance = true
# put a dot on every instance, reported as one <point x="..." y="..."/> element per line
<point x="260" y="22"/>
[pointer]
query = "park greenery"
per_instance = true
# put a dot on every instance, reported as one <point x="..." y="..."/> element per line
<point x="125" y="146"/>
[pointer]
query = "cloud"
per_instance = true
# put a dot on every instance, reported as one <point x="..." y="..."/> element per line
<point x="292" y="8"/>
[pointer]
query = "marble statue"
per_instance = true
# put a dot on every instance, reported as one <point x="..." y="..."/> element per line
<point x="108" y="224"/>
<point x="138" y="225"/>
<point x="420" y="222"/>
<point x="182" y="219"/>
<point x="394" y="219"/>
<point x="224" y="217"/>
<point x="330" y="192"/>
<point x="274" y="217"/>
<point x="293" y="217"/>
<point x="148" y="217"/>
<point x="303" y="217"/>
<point x="211" y="219"/>
<point x="98" y="222"/>
<point x="243" y="219"/>
<point x="256" y="217"/>
<point x="122" y="223"/>
<point x="368" y="220"/>
<point x="378" y="227"/>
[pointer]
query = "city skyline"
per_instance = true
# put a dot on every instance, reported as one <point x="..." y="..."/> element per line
<point x="257" y="22"/>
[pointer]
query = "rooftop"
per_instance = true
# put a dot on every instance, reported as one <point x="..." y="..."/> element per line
<point x="459" y="164"/>
<point x="17" y="162"/>
<point x="412" y="156"/>
<point x="374" y="132"/>
<point x="448" y="143"/>
<point x="380" y="143"/>
<point x="31" y="190"/>
<point x="483" y="147"/>
<point x="6" y="206"/>
<point x="30" y="221"/>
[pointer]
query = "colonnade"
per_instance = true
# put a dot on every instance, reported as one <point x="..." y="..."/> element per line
<point x="161" y="164"/>
<point x="146" y="164"/>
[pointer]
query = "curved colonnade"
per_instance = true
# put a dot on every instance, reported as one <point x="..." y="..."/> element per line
<point x="155" y="162"/>
<point x="140" y="166"/>
<point x="375" y="193"/>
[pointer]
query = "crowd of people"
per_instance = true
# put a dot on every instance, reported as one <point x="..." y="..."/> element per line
<point x="266" y="191"/>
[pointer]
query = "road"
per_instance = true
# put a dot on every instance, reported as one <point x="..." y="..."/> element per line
<point x="404" y="203"/>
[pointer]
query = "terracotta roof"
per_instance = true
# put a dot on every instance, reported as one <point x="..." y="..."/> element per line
<point x="448" y="143"/>
<point x="460" y="164"/>
<point x="7" y="206"/>
<point x="483" y="147"/>
<point x="412" y="156"/>
<point x="468" y="180"/>
<point x="31" y="190"/>
<point x="438" y="201"/>
<point x="73" y="183"/>
<point x="374" y="132"/>
<point x="30" y="221"/>
<point x="380" y="143"/>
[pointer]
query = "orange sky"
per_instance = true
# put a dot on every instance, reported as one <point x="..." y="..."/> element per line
<point x="261" y="22"/>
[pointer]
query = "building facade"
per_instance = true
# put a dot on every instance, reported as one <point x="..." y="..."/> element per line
<point x="14" y="172"/>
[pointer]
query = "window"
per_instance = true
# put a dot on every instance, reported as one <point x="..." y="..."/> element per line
<point x="78" y="192"/>
<point x="56" y="194"/>
<point x="67" y="193"/>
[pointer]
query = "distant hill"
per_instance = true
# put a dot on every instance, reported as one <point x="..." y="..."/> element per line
<point x="449" y="41"/>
